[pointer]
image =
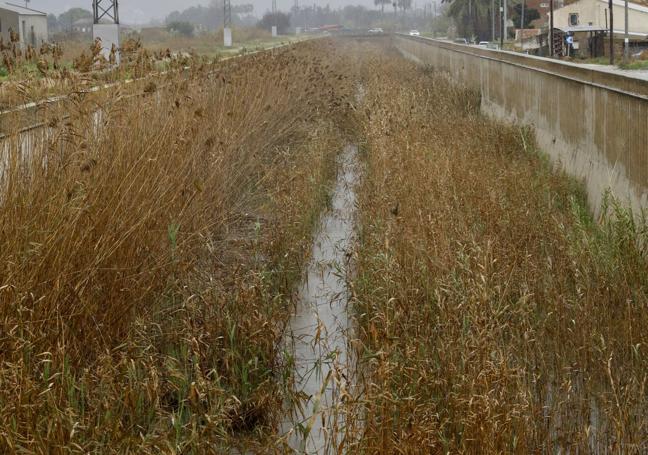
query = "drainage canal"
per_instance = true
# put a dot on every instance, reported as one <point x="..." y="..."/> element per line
<point x="319" y="334"/>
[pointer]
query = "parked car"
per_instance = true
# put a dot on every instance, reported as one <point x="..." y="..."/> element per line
<point x="483" y="44"/>
<point x="461" y="41"/>
<point x="376" y="30"/>
<point x="414" y="33"/>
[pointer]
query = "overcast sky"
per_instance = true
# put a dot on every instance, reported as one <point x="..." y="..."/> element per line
<point x="141" y="11"/>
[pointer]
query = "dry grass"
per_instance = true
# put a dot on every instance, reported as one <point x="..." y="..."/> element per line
<point x="147" y="262"/>
<point x="34" y="80"/>
<point x="37" y="74"/>
<point x="494" y="314"/>
<point x="207" y="43"/>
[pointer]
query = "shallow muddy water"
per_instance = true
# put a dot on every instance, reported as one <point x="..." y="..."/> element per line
<point x="319" y="333"/>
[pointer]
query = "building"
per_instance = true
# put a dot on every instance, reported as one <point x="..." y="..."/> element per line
<point x="83" y="25"/>
<point x="588" y="22"/>
<point x="542" y="6"/>
<point x="31" y="25"/>
<point x="594" y="14"/>
<point x="529" y="40"/>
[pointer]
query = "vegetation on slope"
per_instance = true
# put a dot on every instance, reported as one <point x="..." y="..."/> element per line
<point x="150" y="244"/>
<point x="148" y="254"/>
<point x="495" y="315"/>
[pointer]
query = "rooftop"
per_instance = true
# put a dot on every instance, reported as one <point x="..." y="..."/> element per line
<point x="21" y="9"/>
<point x="633" y="4"/>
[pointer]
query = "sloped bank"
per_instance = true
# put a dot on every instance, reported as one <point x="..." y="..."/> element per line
<point x="591" y="123"/>
<point x="494" y="315"/>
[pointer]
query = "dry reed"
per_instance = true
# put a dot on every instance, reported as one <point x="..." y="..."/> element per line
<point x="495" y="315"/>
<point x="149" y="246"/>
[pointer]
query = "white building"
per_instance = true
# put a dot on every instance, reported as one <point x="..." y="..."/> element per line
<point x="593" y="15"/>
<point x="31" y="25"/>
<point x="83" y="25"/>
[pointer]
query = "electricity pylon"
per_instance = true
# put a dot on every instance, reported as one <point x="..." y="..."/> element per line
<point x="106" y="28"/>
<point x="106" y="9"/>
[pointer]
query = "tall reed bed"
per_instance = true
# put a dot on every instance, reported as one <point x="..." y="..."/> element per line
<point x="494" y="314"/>
<point x="149" y="246"/>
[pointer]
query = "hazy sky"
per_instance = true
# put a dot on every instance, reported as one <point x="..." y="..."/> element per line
<point x="140" y="11"/>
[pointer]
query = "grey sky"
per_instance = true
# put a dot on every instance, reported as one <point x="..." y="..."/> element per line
<point x="140" y="11"/>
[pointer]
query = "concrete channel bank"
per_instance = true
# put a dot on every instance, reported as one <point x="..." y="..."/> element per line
<point x="593" y="123"/>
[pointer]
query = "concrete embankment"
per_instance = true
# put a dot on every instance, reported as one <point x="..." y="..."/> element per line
<point x="593" y="123"/>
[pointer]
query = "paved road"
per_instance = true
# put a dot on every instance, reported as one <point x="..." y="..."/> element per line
<point x="637" y="74"/>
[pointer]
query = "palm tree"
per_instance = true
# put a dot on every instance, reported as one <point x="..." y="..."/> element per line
<point x="382" y="4"/>
<point x="405" y="4"/>
<point x="471" y="16"/>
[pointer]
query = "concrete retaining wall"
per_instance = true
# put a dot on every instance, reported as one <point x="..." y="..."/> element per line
<point x="593" y="123"/>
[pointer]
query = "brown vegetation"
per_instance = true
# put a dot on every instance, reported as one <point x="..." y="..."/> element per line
<point x="73" y="64"/>
<point x="204" y="43"/>
<point x="495" y="315"/>
<point x="148" y="250"/>
<point x="151" y="241"/>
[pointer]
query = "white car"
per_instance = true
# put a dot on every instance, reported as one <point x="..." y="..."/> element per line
<point x="414" y="33"/>
<point x="376" y="30"/>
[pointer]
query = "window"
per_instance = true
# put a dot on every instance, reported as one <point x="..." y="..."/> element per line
<point x="544" y="5"/>
<point x="33" y="37"/>
<point x="573" y="19"/>
<point x="24" y="32"/>
<point x="0" y="25"/>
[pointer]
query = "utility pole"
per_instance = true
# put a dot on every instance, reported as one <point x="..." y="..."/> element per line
<point x="493" y="21"/>
<point x="505" y="19"/>
<point x="296" y="13"/>
<point x="472" y="23"/>
<point x="274" y="18"/>
<point x="626" y="40"/>
<point x="501" y="10"/>
<point x="227" y="23"/>
<point x="551" y="28"/>
<point x="611" y="6"/>
<point x="106" y="28"/>
<point x="522" y="18"/>
<point x="435" y="19"/>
